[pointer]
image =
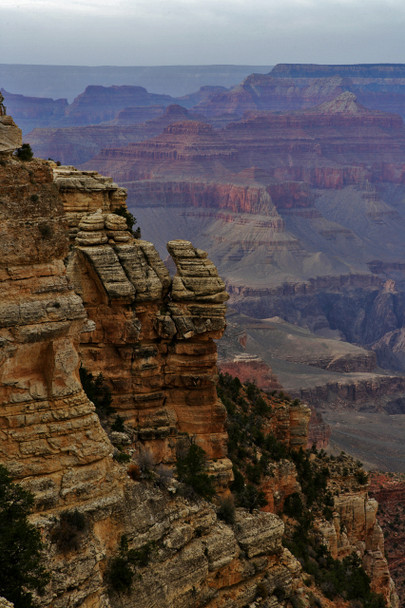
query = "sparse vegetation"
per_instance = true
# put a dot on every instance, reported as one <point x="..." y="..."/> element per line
<point x="226" y="511"/>
<point x="25" y="153"/>
<point x="68" y="533"/>
<point x="251" y="445"/>
<point x="253" y="448"/>
<point x="97" y="391"/>
<point x="21" y="569"/>
<point x="191" y="468"/>
<point x="121" y="569"/>
<point x="130" y="219"/>
<point x="121" y="457"/>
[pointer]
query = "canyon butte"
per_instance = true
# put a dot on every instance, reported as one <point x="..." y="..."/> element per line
<point x="82" y="296"/>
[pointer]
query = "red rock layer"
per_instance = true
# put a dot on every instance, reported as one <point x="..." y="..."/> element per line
<point x="249" y="368"/>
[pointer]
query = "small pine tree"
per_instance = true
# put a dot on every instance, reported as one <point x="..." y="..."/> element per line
<point x="21" y="571"/>
<point x="130" y="219"/>
<point x="25" y="152"/>
<point x="191" y="470"/>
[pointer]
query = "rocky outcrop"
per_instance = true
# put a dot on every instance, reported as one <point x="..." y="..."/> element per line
<point x="318" y="432"/>
<point x="355" y="525"/>
<point x="10" y="135"/>
<point x="84" y="192"/>
<point x="97" y="103"/>
<point x="154" y="328"/>
<point x="389" y="491"/>
<point x="51" y="438"/>
<point x="370" y="392"/>
<point x="198" y="560"/>
<point x="297" y="86"/>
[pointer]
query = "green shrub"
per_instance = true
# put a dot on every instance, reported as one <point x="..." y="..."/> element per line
<point x="68" y="532"/>
<point x="190" y="468"/>
<point x="118" y="425"/>
<point x="120" y="570"/>
<point x="121" y="457"/>
<point x="226" y="511"/>
<point x="293" y="506"/>
<point x="361" y="477"/>
<point x="251" y="498"/>
<point x="119" y="575"/>
<point x="97" y="391"/>
<point x="140" y="557"/>
<point x="21" y="571"/>
<point x="130" y="219"/>
<point x="25" y="153"/>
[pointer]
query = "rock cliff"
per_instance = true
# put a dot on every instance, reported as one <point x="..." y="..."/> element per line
<point x="297" y="86"/>
<point x="389" y="491"/>
<point x="51" y="438"/>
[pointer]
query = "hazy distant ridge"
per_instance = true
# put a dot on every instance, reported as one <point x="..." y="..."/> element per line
<point x="68" y="81"/>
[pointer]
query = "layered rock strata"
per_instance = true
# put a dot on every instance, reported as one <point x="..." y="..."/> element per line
<point x="51" y="439"/>
<point x="153" y="338"/>
<point x="152" y="335"/>
<point x="84" y="192"/>
<point x="389" y="490"/>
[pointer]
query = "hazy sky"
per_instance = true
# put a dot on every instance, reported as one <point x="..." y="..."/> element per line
<point x="165" y="32"/>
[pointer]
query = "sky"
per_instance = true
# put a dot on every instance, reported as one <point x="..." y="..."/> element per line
<point x="198" y="32"/>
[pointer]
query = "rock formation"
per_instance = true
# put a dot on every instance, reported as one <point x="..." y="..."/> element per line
<point x="294" y="86"/>
<point x="51" y="440"/>
<point x="389" y="491"/>
<point x="32" y="112"/>
<point x="296" y="209"/>
<point x="10" y="135"/>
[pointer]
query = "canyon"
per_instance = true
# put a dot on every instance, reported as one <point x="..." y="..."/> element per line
<point x="290" y="207"/>
<point x="79" y="290"/>
<point x="293" y="180"/>
<point x="302" y="212"/>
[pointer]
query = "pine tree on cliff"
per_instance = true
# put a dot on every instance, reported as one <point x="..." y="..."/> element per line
<point x="21" y="571"/>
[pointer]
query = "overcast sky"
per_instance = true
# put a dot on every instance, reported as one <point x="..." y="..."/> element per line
<point x="173" y="32"/>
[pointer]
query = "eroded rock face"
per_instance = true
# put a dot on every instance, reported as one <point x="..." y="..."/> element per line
<point x="51" y="438"/>
<point x="10" y="135"/>
<point x="153" y="341"/>
<point x="355" y="528"/>
<point x="389" y="490"/>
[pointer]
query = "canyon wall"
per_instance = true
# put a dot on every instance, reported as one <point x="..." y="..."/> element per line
<point x="115" y="308"/>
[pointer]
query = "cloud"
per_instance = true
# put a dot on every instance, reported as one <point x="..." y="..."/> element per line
<point x="147" y="32"/>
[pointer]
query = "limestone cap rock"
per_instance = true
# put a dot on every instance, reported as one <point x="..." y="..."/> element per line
<point x="10" y="135"/>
